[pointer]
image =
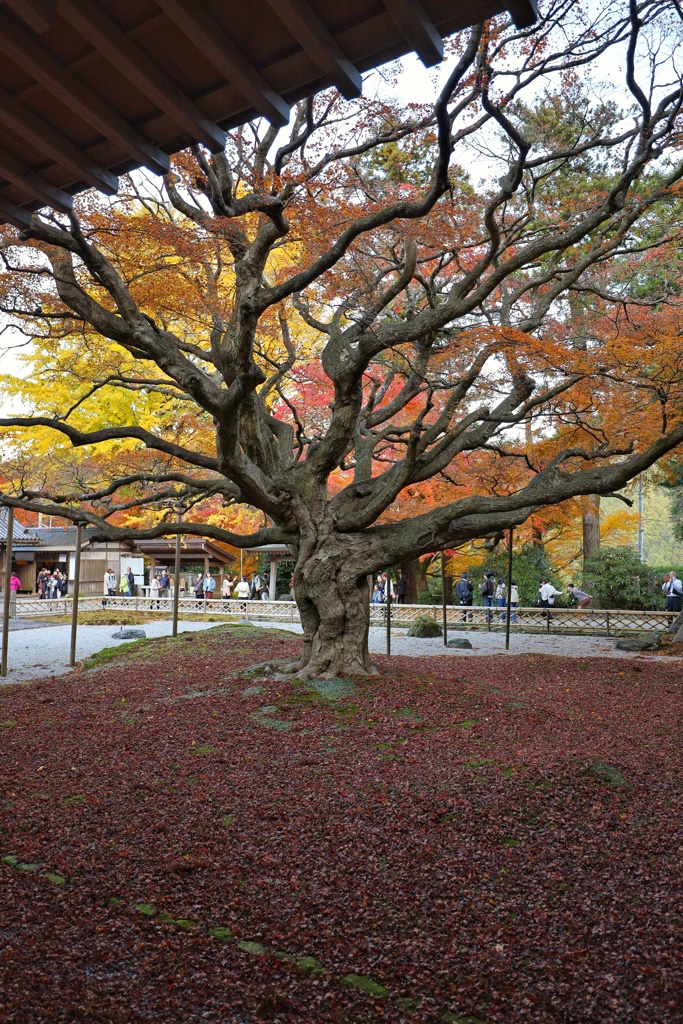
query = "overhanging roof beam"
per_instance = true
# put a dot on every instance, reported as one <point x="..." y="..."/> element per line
<point x="417" y="29"/>
<point x="41" y="189"/>
<point x="319" y="44"/>
<point x="26" y="50"/>
<point x="39" y="14"/>
<point x="16" y="215"/>
<point x="220" y="51"/>
<point x="134" y="64"/>
<point x="524" y="12"/>
<point x="46" y="139"/>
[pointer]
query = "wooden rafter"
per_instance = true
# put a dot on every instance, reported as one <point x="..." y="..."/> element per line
<point x="134" y="64"/>
<point x="10" y="213"/>
<point x="226" y="57"/>
<point x="43" y="137"/>
<point x="309" y="31"/>
<point x="41" y="189"/>
<point x="418" y="29"/>
<point x="39" y="14"/>
<point x="27" y="50"/>
<point x="524" y="12"/>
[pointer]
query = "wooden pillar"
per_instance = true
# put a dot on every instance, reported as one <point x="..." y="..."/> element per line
<point x="273" y="577"/>
<point x="6" y="594"/>
<point x="509" y="593"/>
<point x="444" y="613"/>
<point x="176" y="582"/>
<point x="74" y="608"/>
<point x="206" y="563"/>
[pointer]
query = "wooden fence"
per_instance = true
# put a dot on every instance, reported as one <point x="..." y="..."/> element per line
<point x="523" y="620"/>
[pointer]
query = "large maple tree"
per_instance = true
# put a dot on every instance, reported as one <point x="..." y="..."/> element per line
<point x="344" y="329"/>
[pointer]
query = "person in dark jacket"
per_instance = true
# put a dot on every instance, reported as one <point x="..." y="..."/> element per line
<point x="131" y="582"/>
<point x="401" y="589"/>
<point x="463" y="592"/>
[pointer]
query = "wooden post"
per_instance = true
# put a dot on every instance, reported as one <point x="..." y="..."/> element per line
<point x="443" y="599"/>
<point x="388" y="605"/>
<point x="74" y="607"/>
<point x="273" y="578"/>
<point x="176" y="585"/>
<point x="6" y="594"/>
<point x="507" y="620"/>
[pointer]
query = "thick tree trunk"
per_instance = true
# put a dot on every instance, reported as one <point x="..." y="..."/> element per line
<point x="591" y="526"/>
<point x="333" y="597"/>
<point x="408" y="570"/>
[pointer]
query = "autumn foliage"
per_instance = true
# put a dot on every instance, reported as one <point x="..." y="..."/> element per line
<point x="395" y="331"/>
<point x="493" y="841"/>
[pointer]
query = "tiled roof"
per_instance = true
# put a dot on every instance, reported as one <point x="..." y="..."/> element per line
<point x="20" y="534"/>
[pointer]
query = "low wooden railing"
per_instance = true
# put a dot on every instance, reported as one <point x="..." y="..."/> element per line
<point x="562" y="620"/>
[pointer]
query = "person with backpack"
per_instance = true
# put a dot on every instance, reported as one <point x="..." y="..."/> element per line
<point x="463" y="592"/>
<point x="256" y="587"/>
<point x="487" y="590"/>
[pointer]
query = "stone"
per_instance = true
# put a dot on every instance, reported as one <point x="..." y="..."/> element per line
<point x="424" y="626"/>
<point x="639" y="643"/>
<point x="129" y="634"/>
<point x="285" y="597"/>
<point x="465" y="644"/>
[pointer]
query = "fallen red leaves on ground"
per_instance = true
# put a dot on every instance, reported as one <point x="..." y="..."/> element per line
<point x="480" y="839"/>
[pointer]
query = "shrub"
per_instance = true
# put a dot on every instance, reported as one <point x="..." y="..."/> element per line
<point x="619" y="580"/>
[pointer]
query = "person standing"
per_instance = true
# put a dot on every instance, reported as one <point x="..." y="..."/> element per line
<point x="514" y="600"/>
<point x="242" y="590"/>
<point x="581" y="596"/>
<point x="227" y="588"/>
<point x="123" y="585"/>
<point x="131" y="582"/>
<point x="501" y="596"/>
<point x="256" y="587"/>
<point x="209" y="587"/>
<point x="154" y="591"/>
<point x="463" y="592"/>
<point x="488" y="594"/>
<point x="41" y="583"/>
<point x="673" y="591"/>
<point x="199" y="587"/>
<point x="164" y="583"/>
<point x="402" y="589"/>
<point x="548" y="595"/>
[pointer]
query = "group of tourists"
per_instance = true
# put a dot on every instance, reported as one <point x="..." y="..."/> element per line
<point x="51" y="584"/>
<point x="493" y="592"/>
<point x="244" y="589"/>
<point x="124" y="586"/>
<point x="384" y="588"/>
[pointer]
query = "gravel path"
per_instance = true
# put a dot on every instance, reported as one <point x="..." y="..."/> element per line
<point x="44" y="650"/>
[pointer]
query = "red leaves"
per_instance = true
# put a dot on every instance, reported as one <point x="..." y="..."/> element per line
<point x="520" y="868"/>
